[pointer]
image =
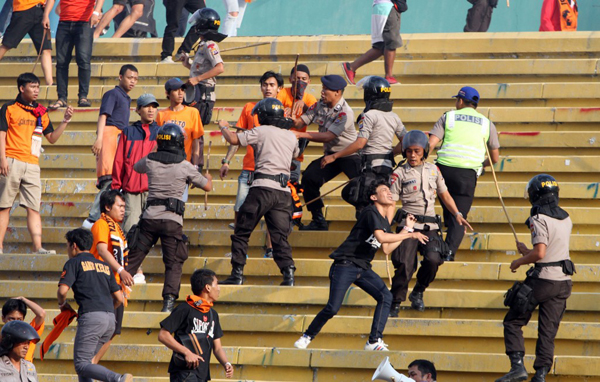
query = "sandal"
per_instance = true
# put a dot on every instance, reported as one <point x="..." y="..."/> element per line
<point x="58" y="104"/>
<point x="84" y="102"/>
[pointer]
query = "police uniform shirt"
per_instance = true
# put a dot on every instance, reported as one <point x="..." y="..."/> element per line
<point x="418" y="198"/>
<point x="274" y="149"/>
<point x="339" y="120"/>
<point x="92" y="282"/>
<point x="361" y="245"/>
<point x="555" y="234"/>
<point x="167" y="181"/>
<point x="8" y="372"/>
<point x="378" y="128"/>
<point x="185" y="320"/>
<point x="207" y="57"/>
<point x="439" y="129"/>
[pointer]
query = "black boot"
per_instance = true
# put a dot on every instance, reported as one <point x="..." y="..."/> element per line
<point x="236" y="277"/>
<point x="318" y="223"/>
<point x="168" y="303"/>
<point x="540" y="374"/>
<point x="449" y="256"/>
<point x="394" y="310"/>
<point x="517" y="369"/>
<point x="288" y="276"/>
<point x="416" y="298"/>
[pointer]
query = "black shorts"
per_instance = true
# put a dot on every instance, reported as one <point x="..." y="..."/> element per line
<point x="391" y="33"/>
<point x="125" y="2"/>
<point x="25" y="22"/>
<point x="119" y="317"/>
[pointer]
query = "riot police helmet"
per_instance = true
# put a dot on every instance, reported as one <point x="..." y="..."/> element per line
<point x="270" y="111"/>
<point x="206" y="19"/>
<point x="374" y="87"/>
<point x="541" y="186"/>
<point x="16" y="332"/>
<point x="416" y="138"/>
<point x="170" y="138"/>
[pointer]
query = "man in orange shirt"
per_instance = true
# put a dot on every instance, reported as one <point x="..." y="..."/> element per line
<point x="15" y="309"/>
<point x="23" y="122"/>
<point x="270" y="86"/>
<point x="110" y="246"/>
<point x="31" y="17"/>
<point x="304" y="100"/>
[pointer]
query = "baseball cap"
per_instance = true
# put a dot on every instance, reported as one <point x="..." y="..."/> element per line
<point x="301" y="68"/>
<point x="147" y="99"/>
<point x="333" y="82"/>
<point x="468" y="94"/>
<point x="174" y="84"/>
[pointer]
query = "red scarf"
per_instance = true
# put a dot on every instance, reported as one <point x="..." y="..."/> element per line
<point x="198" y="303"/>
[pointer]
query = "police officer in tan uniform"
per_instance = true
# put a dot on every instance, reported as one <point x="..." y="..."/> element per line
<point x="16" y="337"/>
<point x="335" y="119"/>
<point x="549" y="279"/>
<point x="418" y="198"/>
<point x="269" y="196"/>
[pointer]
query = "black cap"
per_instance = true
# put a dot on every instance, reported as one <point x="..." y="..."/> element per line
<point x="301" y="68"/>
<point x="333" y="82"/>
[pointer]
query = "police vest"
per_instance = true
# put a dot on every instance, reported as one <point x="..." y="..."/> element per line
<point x="464" y="135"/>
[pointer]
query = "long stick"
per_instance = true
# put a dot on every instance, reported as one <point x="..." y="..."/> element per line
<point x="41" y="49"/>
<point x="498" y="189"/>
<point x="245" y="46"/>
<point x="387" y="267"/>
<point x="327" y="193"/>
<point x="294" y="85"/>
<point x="207" y="167"/>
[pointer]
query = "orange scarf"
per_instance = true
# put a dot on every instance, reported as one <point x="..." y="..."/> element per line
<point x="60" y="323"/>
<point x="198" y="303"/>
<point x="568" y="15"/>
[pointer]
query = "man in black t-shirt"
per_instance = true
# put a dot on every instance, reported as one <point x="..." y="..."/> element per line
<point x="196" y="332"/>
<point x="352" y="264"/>
<point x="97" y="294"/>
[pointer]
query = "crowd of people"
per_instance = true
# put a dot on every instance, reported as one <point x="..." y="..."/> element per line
<point x="144" y="171"/>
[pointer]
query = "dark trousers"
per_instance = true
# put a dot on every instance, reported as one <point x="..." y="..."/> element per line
<point x="552" y="299"/>
<point x="174" y="250"/>
<point x="461" y="184"/>
<point x="276" y="207"/>
<point x="404" y="259"/>
<point x="314" y="177"/>
<point x="342" y="274"/>
<point x="174" y="9"/>
<point x="69" y="35"/>
<point x="479" y="16"/>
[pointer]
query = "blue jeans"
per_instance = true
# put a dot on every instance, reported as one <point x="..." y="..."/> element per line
<point x="343" y="274"/>
<point x="5" y="14"/>
<point x="243" y="189"/>
<point x="69" y="35"/>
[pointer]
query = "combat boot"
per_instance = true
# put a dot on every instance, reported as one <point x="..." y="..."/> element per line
<point x="416" y="298"/>
<point x="236" y="277"/>
<point x="318" y="223"/>
<point x="395" y="310"/>
<point x="540" y="374"/>
<point x="288" y="276"/>
<point x="517" y="369"/>
<point x="168" y="303"/>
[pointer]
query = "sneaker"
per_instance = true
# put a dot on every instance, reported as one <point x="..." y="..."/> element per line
<point x="180" y="56"/>
<point x="349" y="73"/>
<point x="231" y="225"/>
<point x="316" y="225"/>
<point x="43" y="251"/>
<point x="302" y="342"/>
<point x="377" y="346"/>
<point x="395" y="310"/>
<point x="228" y="254"/>
<point x="139" y="278"/>
<point x="126" y="378"/>
<point x="167" y="60"/>
<point x="87" y="224"/>
<point x="269" y="253"/>
<point x="392" y="80"/>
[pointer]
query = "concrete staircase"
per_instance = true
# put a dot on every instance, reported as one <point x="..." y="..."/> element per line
<point x="541" y="90"/>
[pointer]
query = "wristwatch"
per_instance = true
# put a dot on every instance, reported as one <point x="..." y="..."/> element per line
<point x="225" y="161"/>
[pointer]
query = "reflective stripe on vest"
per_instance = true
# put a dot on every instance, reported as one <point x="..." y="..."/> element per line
<point x="464" y="133"/>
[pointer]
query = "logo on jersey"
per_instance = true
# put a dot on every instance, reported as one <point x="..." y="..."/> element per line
<point x="361" y="123"/>
<point x="394" y="178"/>
<point x="532" y="229"/>
<point x="213" y="49"/>
<point x="373" y="242"/>
<point x="202" y="327"/>
<point x="339" y="118"/>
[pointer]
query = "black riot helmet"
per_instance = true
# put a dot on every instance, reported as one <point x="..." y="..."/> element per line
<point x="541" y="186"/>
<point x="375" y="87"/>
<point x="270" y="111"/>
<point x="15" y="332"/>
<point x="416" y="138"/>
<point x="206" y="23"/>
<point x="170" y="138"/>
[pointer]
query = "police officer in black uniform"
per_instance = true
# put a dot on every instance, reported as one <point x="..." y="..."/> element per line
<point x="269" y="196"/>
<point x="549" y="281"/>
<point x="169" y="174"/>
<point x="16" y="337"/>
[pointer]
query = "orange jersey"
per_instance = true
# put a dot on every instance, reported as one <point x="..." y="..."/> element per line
<point x="248" y="121"/>
<point x="285" y="96"/>
<point x="23" y="5"/>
<point x="189" y="119"/>
<point x="102" y="234"/>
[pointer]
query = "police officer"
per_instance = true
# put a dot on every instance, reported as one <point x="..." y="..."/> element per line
<point x="269" y="196"/>
<point x="416" y="183"/>
<point x="549" y="279"/>
<point x="168" y="177"/>
<point x="335" y="119"/>
<point x="377" y="126"/>
<point x="462" y="157"/>
<point x="16" y="337"/>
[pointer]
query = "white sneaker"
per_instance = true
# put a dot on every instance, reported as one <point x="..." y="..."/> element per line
<point x="87" y="224"/>
<point x="302" y="342"/>
<point x="43" y="251"/>
<point x="180" y="57"/>
<point x="231" y="226"/>
<point x="139" y="278"/>
<point x="377" y="346"/>
<point x="167" y="60"/>
<point x="228" y="254"/>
